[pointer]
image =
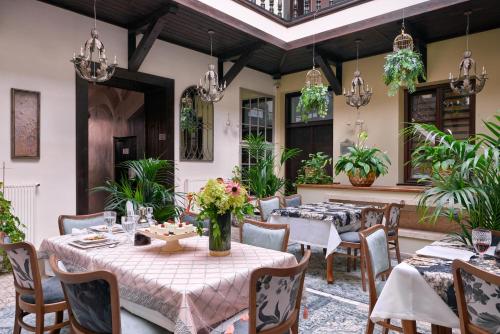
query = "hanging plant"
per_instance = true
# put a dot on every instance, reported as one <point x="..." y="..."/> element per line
<point x="402" y="69"/>
<point x="188" y="119"/>
<point x="313" y="98"/>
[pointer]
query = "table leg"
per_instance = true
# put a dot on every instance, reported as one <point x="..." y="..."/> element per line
<point x="329" y="269"/>
<point x="436" y="329"/>
<point x="409" y="326"/>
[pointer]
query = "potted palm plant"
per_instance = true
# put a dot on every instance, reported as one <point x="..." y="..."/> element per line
<point x="469" y="192"/>
<point x="362" y="164"/>
<point x="11" y="226"/>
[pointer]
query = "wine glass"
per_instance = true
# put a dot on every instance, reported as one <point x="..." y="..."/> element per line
<point x="149" y="214"/>
<point x="110" y="220"/>
<point x="129" y="225"/>
<point x="481" y="239"/>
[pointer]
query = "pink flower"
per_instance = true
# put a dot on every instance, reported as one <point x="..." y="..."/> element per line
<point x="233" y="188"/>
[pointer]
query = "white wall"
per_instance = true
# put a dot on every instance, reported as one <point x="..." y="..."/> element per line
<point x="37" y="42"/>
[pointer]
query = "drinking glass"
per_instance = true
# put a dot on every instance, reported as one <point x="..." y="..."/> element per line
<point x="110" y="220"/>
<point x="149" y="214"/>
<point x="481" y="239"/>
<point x="129" y="225"/>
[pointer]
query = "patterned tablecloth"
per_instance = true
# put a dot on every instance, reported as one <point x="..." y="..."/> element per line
<point x="191" y="290"/>
<point x="405" y="297"/>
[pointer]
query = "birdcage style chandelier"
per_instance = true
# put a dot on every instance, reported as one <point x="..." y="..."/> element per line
<point x="468" y="81"/>
<point x="209" y="88"/>
<point x="358" y="94"/>
<point x="91" y="63"/>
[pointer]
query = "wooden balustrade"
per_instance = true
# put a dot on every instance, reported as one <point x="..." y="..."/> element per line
<point x="288" y="10"/>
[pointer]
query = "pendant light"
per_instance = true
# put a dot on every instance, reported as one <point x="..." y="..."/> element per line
<point x="358" y="95"/>
<point x="209" y="89"/>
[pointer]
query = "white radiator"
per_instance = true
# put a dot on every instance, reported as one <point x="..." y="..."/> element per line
<point x="23" y="199"/>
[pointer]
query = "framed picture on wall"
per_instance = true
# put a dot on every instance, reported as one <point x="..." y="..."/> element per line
<point x="25" y="124"/>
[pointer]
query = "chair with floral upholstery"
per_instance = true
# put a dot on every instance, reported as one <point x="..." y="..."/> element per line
<point x="392" y="214"/>
<point x="478" y="298"/>
<point x="267" y="205"/>
<point x="68" y="222"/>
<point x="270" y="236"/>
<point x="292" y="201"/>
<point x="34" y="295"/>
<point x="375" y="251"/>
<point x="94" y="304"/>
<point x="351" y="241"/>
<point x="275" y="298"/>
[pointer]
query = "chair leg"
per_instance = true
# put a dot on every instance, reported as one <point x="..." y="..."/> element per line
<point x="295" y="327"/>
<point x="302" y="249"/>
<point x="17" y="327"/>
<point x="362" y="267"/>
<point x="385" y="330"/>
<point x="348" y="262"/>
<point x="354" y="265"/>
<point x="370" y="326"/>
<point x="329" y="269"/>
<point x="398" y="253"/>
<point x="58" y="320"/>
<point x="409" y="326"/>
<point x="324" y="251"/>
<point x="39" y="323"/>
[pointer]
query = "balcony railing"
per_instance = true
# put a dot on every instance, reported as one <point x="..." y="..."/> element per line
<point x="294" y="11"/>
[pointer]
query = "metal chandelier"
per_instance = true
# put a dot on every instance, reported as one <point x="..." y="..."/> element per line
<point x="209" y="89"/>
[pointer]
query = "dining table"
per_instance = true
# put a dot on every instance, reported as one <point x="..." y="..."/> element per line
<point x="187" y="291"/>
<point x="320" y="224"/>
<point x="421" y="288"/>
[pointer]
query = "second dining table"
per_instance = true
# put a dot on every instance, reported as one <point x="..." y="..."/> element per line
<point x="319" y="224"/>
<point x="187" y="291"/>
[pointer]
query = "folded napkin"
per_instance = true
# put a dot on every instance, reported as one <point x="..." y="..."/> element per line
<point x="77" y="231"/>
<point x="445" y="253"/>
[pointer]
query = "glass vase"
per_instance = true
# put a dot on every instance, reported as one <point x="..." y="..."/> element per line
<point x="220" y="235"/>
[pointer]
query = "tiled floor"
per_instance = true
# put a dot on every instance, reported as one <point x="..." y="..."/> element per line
<point x="7" y="294"/>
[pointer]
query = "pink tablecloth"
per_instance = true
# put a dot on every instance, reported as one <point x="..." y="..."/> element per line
<point x="190" y="288"/>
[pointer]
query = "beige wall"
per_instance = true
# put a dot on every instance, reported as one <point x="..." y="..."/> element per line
<point x="384" y="115"/>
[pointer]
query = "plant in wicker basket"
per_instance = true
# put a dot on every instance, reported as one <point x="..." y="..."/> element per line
<point x="402" y="69"/>
<point x="362" y="164"/>
<point x="313" y="170"/>
<point x="313" y="98"/>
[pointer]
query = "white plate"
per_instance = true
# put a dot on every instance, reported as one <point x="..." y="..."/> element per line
<point x="88" y="239"/>
<point x="104" y="228"/>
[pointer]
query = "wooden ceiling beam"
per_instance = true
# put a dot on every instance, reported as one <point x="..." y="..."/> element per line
<point x="139" y="54"/>
<point x="141" y="25"/>
<point x="334" y="82"/>
<point x="238" y="66"/>
<point x="420" y="45"/>
<point x="231" y="54"/>
<point x="281" y="65"/>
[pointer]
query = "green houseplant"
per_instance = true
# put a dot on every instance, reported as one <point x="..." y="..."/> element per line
<point x="11" y="226"/>
<point x="313" y="169"/>
<point x="469" y="192"/>
<point x="313" y="98"/>
<point x="147" y="187"/>
<point x="362" y="164"/>
<point x="188" y="120"/>
<point x="218" y="200"/>
<point x="262" y="176"/>
<point x="402" y="69"/>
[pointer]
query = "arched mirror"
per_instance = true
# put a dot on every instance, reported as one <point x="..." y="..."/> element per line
<point x="196" y="127"/>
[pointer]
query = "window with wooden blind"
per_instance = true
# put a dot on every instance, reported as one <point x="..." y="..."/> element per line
<point x="440" y="106"/>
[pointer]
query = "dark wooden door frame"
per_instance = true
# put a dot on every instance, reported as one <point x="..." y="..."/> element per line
<point x="142" y="82"/>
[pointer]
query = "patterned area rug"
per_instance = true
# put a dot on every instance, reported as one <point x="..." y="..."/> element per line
<point x="333" y="308"/>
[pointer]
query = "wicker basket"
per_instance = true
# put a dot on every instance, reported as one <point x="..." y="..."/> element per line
<point x="362" y="181"/>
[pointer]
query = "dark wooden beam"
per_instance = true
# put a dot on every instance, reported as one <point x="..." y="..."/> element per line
<point x="220" y="68"/>
<point x="324" y="64"/>
<point x="146" y="43"/>
<point x="420" y="44"/>
<point x="141" y="24"/>
<point x="238" y="66"/>
<point x="278" y="73"/>
<point x="232" y="53"/>
<point x="132" y="43"/>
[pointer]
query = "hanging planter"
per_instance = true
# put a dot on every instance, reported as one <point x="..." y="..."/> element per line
<point x="402" y="69"/>
<point x="314" y="97"/>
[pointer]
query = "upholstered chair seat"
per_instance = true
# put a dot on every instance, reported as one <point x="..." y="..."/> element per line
<point x="52" y="292"/>
<point x="68" y="223"/>
<point x="292" y="201"/>
<point x="349" y="236"/>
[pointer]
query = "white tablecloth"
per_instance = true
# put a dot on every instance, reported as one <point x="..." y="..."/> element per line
<point x="319" y="233"/>
<point x="406" y="295"/>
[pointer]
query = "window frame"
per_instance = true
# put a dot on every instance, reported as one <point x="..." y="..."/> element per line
<point x="439" y="89"/>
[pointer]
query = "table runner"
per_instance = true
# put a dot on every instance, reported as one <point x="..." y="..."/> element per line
<point x="189" y="288"/>
<point x="421" y="289"/>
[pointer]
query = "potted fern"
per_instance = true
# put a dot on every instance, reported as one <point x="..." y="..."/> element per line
<point x="313" y="98"/>
<point x="402" y="69"/>
<point x="362" y="164"/>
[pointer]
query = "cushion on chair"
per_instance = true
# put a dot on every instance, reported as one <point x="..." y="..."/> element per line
<point x="70" y="224"/>
<point x="262" y="237"/>
<point x="52" y="292"/>
<point x="391" y="233"/>
<point x="379" y="252"/>
<point x="132" y="324"/>
<point x="293" y="201"/>
<point x="267" y="206"/>
<point x="350" y="237"/>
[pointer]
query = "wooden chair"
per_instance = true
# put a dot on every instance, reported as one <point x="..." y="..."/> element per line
<point x="33" y="295"/>
<point x="267" y="205"/>
<point x="274" y="289"/>
<point x="375" y="251"/>
<point x="94" y="304"/>
<point x="292" y="201"/>
<point x="68" y="222"/>
<point x="392" y="215"/>
<point x="351" y="240"/>
<point x="476" y="316"/>
<point x="271" y="236"/>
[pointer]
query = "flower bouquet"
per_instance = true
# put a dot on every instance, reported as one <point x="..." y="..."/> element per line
<point x="217" y="201"/>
